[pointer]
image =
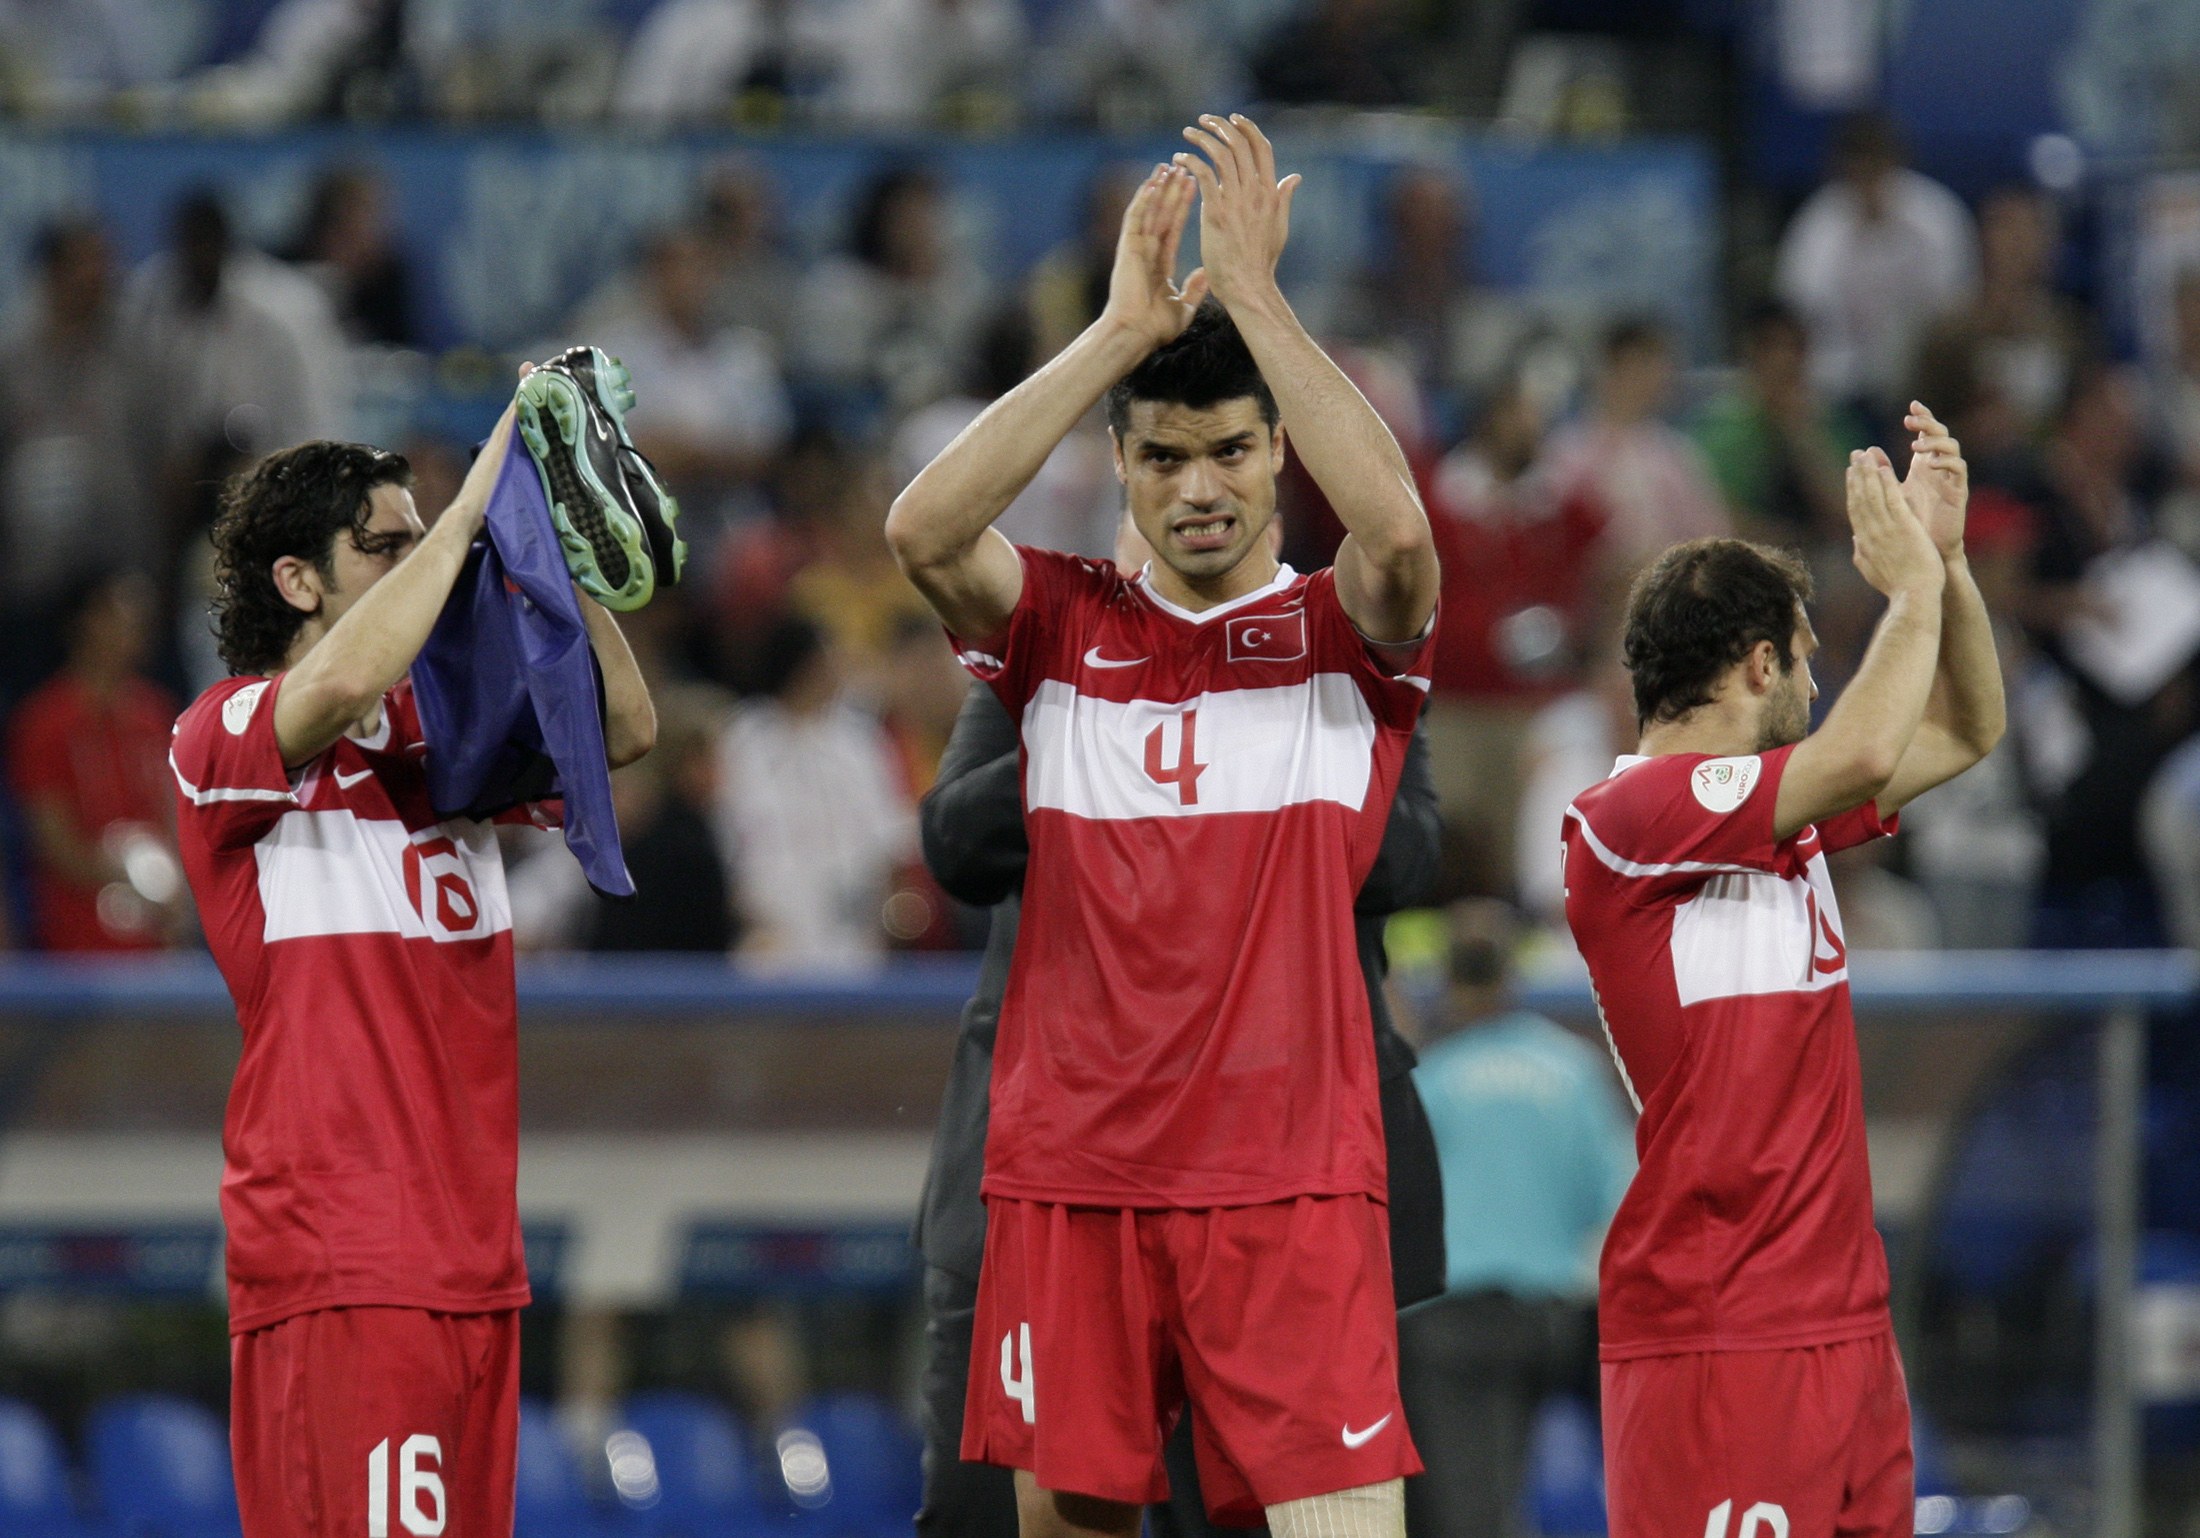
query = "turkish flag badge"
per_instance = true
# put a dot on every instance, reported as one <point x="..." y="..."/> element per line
<point x="1267" y="637"/>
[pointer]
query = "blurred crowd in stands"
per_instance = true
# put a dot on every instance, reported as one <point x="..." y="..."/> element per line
<point x="986" y="64"/>
<point x="804" y="690"/>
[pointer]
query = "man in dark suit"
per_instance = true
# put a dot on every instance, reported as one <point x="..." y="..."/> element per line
<point x="973" y="829"/>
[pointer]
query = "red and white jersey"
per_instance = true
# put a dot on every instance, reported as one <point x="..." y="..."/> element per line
<point x="372" y="1137"/>
<point x="1186" y="1024"/>
<point x="1718" y="963"/>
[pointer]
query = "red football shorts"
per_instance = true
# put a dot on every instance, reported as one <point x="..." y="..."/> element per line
<point x="1801" y="1443"/>
<point x="1096" y="1325"/>
<point x="376" y="1423"/>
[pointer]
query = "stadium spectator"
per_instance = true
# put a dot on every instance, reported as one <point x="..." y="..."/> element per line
<point x="891" y="320"/>
<point x="750" y="274"/>
<point x="1069" y="284"/>
<point x="1536" y="1152"/>
<point x="2176" y="386"/>
<point x="853" y="590"/>
<point x="1649" y="479"/>
<point x="1124" y="65"/>
<point x="66" y="58"/>
<point x="1520" y="597"/>
<point x="1870" y="259"/>
<point x="311" y="59"/>
<point x="1352" y="53"/>
<point x="811" y="814"/>
<point x="912" y="63"/>
<point x="710" y="409"/>
<point x="1417" y="297"/>
<point x="69" y="491"/>
<point x="1072" y="503"/>
<point x="87" y="757"/>
<point x="1777" y="450"/>
<point x="2028" y="336"/>
<point x="348" y="246"/>
<point x="696" y="61"/>
<point x="230" y="350"/>
<point x="2102" y="581"/>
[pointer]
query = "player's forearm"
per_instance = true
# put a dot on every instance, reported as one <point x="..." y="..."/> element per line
<point x="1967" y="699"/>
<point x="954" y="499"/>
<point x="1879" y="712"/>
<point x="630" y="717"/>
<point x="1352" y="455"/>
<point x="370" y="648"/>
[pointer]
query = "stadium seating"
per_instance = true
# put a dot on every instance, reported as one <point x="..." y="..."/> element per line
<point x="870" y="1480"/>
<point x="161" y="1466"/>
<point x="551" y="1501"/>
<point x="689" y="1475"/>
<point x="35" y="1496"/>
<point x="1565" y="1485"/>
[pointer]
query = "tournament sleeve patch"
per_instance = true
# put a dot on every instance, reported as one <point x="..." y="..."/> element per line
<point x="1723" y="784"/>
<point x="237" y="709"/>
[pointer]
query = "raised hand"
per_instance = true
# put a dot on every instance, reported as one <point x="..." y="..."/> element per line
<point x="1143" y="297"/>
<point x="1244" y="211"/>
<point x="1893" y="550"/>
<point x="1938" y="486"/>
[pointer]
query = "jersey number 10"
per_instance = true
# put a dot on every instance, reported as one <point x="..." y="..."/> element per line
<point x="420" y="1508"/>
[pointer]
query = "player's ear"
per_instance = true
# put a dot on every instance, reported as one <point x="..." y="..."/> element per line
<point x="1276" y="454"/>
<point x="299" y="583"/>
<point x="1115" y="446"/>
<point x="1764" y="667"/>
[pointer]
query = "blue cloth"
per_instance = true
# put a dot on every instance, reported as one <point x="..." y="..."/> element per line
<point x="1535" y="1151"/>
<point x="508" y="688"/>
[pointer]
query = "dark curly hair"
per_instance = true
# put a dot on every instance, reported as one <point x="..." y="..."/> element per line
<point x="1207" y="364"/>
<point x="1702" y="607"/>
<point x="294" y="502"/>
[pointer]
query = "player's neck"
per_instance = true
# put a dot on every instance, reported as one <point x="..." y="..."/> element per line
<point x="1706" y="729"/>
<point x="1250" y="575"/>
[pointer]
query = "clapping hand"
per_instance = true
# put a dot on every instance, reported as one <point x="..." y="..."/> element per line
<point x="1143" y="297"/>
<point x="1938" y="486"/>
<point x="1244" y="211"/>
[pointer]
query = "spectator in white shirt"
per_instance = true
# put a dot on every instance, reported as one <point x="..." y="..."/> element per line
<point x="1870" y="260"/>
<point x="1652" y="483"/>
<point x="710" y="409"/>
<point x="813" y="816"/>
<point x="906" y="63"/>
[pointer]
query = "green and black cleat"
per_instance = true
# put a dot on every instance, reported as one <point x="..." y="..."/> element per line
<point x="613" y="515"/>
<point x="606" y="378"/>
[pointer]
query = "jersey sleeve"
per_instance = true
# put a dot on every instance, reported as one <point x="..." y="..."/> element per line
<point x="1012" y="663"/>
<point x="231" y="785"/>
<point x="1858" y="825"/>
<point x="1393" y="679"/>
<point x="1686" y="816"/>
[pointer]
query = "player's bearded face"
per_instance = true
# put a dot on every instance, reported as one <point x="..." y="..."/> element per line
<point x="1201" y="482"/>
<point x="1787" y="704"/>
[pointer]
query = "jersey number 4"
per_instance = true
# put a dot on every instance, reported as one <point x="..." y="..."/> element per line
<point x="420" y="1508"/>
<point x="1185" y="772"/>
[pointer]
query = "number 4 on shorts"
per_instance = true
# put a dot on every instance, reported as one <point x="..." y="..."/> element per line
<point x="1017" y="1343"/>
<point x="419" y="1490"/>
<point x="1773" y="1518"/>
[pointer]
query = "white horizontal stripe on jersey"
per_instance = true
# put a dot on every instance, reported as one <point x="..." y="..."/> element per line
<point x="224" y="792"/>
<point x="1254" y="750"/>
<point x="1757" y="934"/>
<point x="333" y="873"/>
<point x="1620" y="865"/>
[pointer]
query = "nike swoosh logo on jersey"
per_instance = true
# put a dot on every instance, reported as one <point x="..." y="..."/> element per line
<point x="1359" y="1438"/>
<point x="1093" y="659"/>
<point x="346" y="781"/>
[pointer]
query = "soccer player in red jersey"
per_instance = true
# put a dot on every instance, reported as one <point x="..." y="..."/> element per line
<point x="1184" y="1170"/>
<point x="372" y="1137"/>
<point x="1751" y="1385"/>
